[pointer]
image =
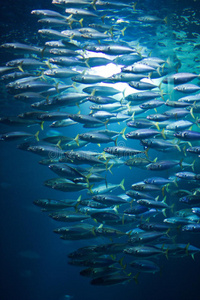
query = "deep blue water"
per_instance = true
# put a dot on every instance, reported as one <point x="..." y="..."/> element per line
<point x="33" y="259"/>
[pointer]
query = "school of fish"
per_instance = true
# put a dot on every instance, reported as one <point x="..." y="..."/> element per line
<point x="131" y="110"/>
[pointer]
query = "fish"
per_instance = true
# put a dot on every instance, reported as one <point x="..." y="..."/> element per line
<point x="146" y="266"/>
<point x="179" y="78"/>
<point x="142" y="133"/>
<point x="102" y="189"/>
<point x="96" y="138"/>
<point x="187" y="88"/>
<point x="122" y="151"/>
<point x="187" y="135"/>
<point x="145" y="237"/>
<point x="64" y="185"/>
<point x="163" y="165"/>
<point x="194" y="228"/>
<point x="97" y="90"/>
<point x="98" y="272"/>
<point x="52" y="204"/>
<point x="143" y="251"/>
<point x="16" y="135"/>
<point x="109" y="199"/>
<point x="143" y="96"/>
<point x="110" y="280"/>
<point x="68" y="216"/>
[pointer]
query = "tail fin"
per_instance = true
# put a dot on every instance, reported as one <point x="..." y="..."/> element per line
<point x="81" y="22"/>
<point x="122" y="185"/>
<point x="36" y="136"/>
<point x="122" y="133"/>
<point x="76" y="139"/>
<point x="42" y="125"/>
<point x="192" y="165"/>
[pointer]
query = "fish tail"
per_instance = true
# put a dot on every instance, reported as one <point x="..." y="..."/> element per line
<point x="186" y="248"/>
<point x="109" y="169"/>
<point x="79" y="198"/>
<point x="122" y="185"/>
<point x="164" y="212"/>
<point x="74" y="86"/>
<point x="165" y="20"/>
<point x="94" y="4"/>
<point x="48" y="64"/>
<point x="158" y="71"/>
<point x="58" y="144"/>
<point x="161" y="93"/>
<point x="122" y="133"/>
<point x="163" y="133"/>
<point x="134" y="5"/>
<point x="36" y="135"/>
<point x="70" y="23"/>
<point x="160" y="86"/>
<point x="191" y="112"/>
<point x="76" y="139"/>
<point x="163" y="190"/>
<point x="133" y="116"/>
<point x="57" y="90"/>
<point x="111" y="31"/>
<point x="93" y="231"/>
<point x="104" y="155"/>
<point x="115" y="209"/>
<point x="175" y="182"/>
<point x="42" y="125"/>
<point x="87" y="178"/>
<point x="90" y="188"/>
<point x="121" y="263"/>
<point x="184" y="152"/>
<point x="181" y="163"/>
<point x="86" y="62"/>
<point x="106" y="123"/>
<point x="115" y="141"/>
<point x="123" y="93"/>
<point x="123" y="30"/>
<point x="81" y="22"/>
<point x="136" y="277"/>
<point x="103" y="17"/>
<point x="42" y="52"/>
<point x="68" y="18"/>
<point x="76" y="207"/>
<point x="192" y="165"/>
<point x="167" y="188"/>
<point x="128" y="105"/>
<point x="146" y="152"/>
<point x="172" y="207"/>
<point x="157" y="125"/>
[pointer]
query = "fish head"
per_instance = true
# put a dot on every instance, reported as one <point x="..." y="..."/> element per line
<point x="188" y="228"/>
<point x="183" y="199"/>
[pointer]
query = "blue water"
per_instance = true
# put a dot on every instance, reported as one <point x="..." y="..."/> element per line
<point x="33" y="259"/>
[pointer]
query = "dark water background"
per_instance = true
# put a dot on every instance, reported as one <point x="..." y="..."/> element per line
<point x="33" y="260"/>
